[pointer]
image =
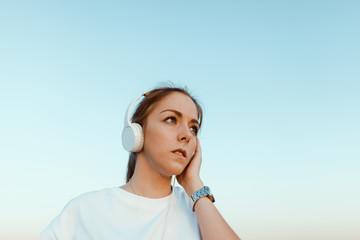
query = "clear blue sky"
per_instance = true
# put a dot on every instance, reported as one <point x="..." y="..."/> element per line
<point x="279" y="82"/>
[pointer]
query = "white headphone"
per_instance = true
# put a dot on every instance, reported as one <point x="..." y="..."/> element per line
<point x="132" y="134"/>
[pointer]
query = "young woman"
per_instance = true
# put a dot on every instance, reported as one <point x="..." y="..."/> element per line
<point x="147" y="206"/>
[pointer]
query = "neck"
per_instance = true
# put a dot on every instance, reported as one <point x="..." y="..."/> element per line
<point x="148" y="183"/>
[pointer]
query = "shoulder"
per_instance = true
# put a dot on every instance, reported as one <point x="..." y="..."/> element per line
<point x="182" y="217"/>
<point x="92" y="196"/>
<point x="182" y="198"/>
<point x="75" y="212"/>
<point x="180" y="192"/>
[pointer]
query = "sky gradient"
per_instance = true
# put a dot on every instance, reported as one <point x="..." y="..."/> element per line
<point x="279" y="82"/>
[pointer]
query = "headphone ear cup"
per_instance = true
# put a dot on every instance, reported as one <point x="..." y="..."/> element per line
<point x="133" y="138"/>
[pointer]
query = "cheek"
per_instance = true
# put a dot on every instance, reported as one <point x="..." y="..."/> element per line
<point x="155" y="137"/>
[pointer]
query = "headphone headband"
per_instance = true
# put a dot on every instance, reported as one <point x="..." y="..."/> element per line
<point x="127" y="120"/>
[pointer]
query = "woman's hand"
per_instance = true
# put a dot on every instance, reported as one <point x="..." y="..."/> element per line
<point x="212" y="224"/>
<point x="189" y="179"/>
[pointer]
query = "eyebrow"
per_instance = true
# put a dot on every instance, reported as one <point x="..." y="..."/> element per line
<point x="179" y="114"/>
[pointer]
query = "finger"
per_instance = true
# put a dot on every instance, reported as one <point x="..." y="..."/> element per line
<point x="198" y="147"/>
<point x="198" y="156"/>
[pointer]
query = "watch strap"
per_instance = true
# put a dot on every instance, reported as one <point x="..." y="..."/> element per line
<point x="203" y="192"/>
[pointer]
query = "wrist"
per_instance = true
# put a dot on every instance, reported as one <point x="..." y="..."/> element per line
<point x="193" y="186"/>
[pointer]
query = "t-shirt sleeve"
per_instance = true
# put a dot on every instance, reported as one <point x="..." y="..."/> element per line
<point x="63" y="226"/>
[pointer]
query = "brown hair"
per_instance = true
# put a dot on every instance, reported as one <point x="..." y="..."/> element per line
<point x="145" y="107"/>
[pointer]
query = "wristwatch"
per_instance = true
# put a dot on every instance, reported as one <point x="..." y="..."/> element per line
<point x="203" y="192"/>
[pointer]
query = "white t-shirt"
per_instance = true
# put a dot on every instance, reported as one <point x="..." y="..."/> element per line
<point x="114" y="213"/>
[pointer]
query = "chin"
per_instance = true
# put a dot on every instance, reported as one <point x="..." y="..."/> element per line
<point x="178" y="171"/>
<point x="174" y="170"/>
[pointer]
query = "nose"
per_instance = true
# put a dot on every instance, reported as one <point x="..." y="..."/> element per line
<point x="184" y="134"/>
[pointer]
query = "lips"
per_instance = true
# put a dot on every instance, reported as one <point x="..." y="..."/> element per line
<point x="180" y="151"/>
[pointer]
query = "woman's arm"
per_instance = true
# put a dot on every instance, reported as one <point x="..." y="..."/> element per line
<point x="212" y="224"/>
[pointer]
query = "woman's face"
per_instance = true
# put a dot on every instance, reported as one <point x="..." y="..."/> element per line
<point x="170" y="133"/>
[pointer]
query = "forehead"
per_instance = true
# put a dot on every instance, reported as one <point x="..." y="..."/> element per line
<point x="179" y="102"/>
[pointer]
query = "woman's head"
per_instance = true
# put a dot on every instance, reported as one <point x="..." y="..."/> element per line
<point x="161" y="97"/>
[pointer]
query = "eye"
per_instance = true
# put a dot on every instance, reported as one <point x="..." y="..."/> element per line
<point x="195" y="130"/>
<point x="170" y="119"/>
